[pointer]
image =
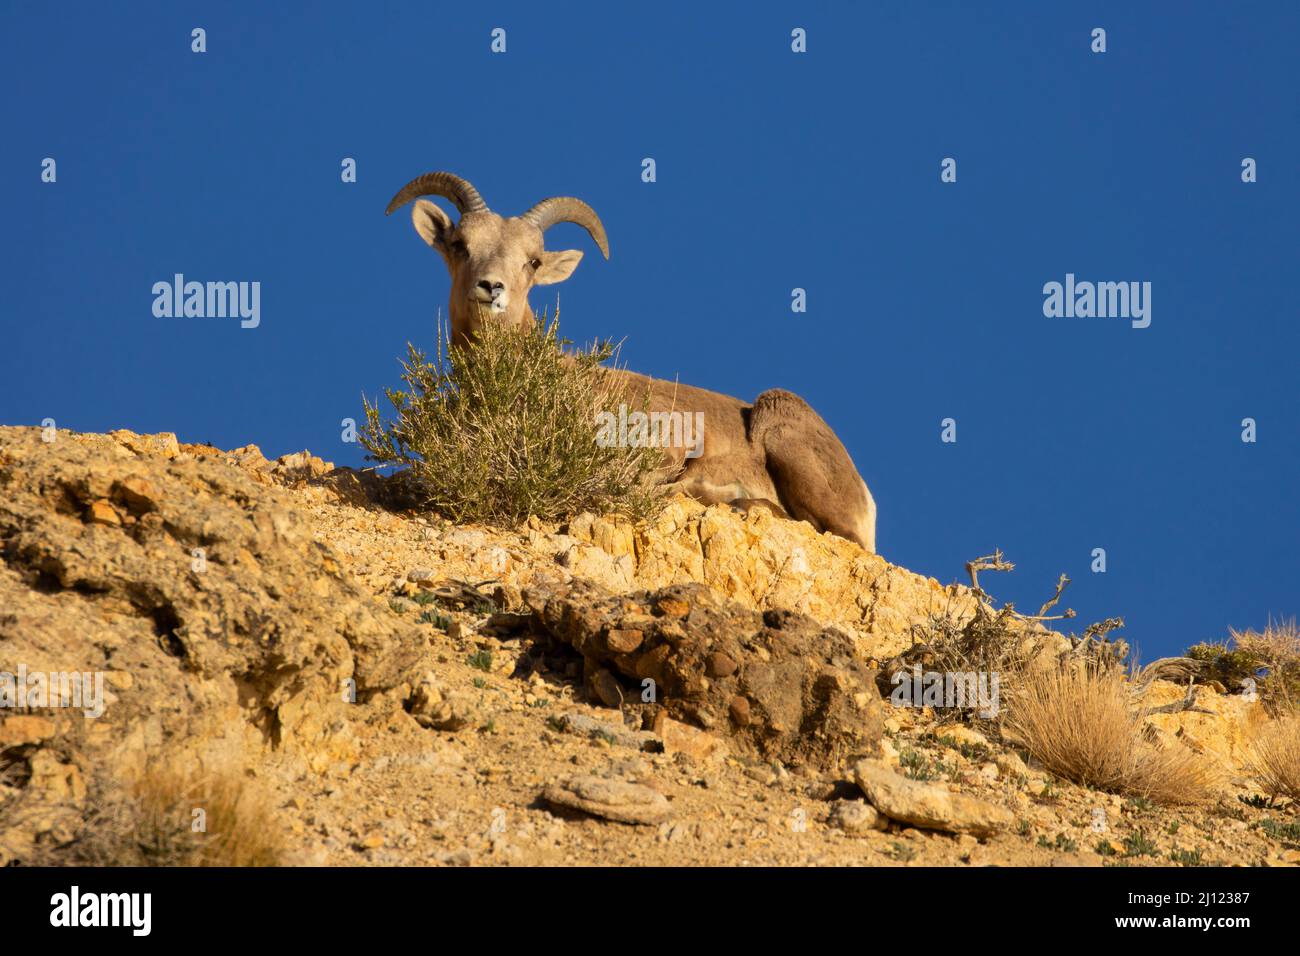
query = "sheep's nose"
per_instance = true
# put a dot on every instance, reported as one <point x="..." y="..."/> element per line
<point x="492" y="288"/>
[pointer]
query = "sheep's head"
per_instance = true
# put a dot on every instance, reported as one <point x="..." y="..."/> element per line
<point x="493" y="260"/>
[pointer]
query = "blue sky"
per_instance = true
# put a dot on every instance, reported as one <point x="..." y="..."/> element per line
<point x="775" y="170"/>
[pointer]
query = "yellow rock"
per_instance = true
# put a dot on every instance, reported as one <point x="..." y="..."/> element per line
<point x="1224" y="734"/>
<point x="22" y="729"/>
<point x="161" y="445"/>
<point x="683" y="738"/>
<point x="54" y="780"/>
<point x="960" y="734"/>
<point x="759" y="561"/>
<point x="103" y="512"/>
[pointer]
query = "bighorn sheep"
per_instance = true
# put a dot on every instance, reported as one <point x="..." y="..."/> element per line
<point x="777" y="451"/>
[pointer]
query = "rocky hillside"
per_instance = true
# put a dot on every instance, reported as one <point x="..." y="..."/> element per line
<point x="387" y="688"/>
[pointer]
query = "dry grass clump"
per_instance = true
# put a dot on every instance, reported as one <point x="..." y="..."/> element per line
<point x="509" y="430"/>
<point x="984" y="638"/>
<point x="1079" y="720"/>
<point x="1275" y="756"/>
<point x="168" y="817"/>
<point x="1268" y="661"/>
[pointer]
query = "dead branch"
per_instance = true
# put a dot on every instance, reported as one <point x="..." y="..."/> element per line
<point x="1187" y="704"/>
<point x="1169" y="668"/>
<point x="990" y="562"/>
<point x="461" y="593"/>
<point x="1061" y="585"/>
<point x="1102" y="628"/>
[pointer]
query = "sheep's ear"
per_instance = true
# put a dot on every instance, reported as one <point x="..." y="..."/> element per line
<point x="557" y="266"/>
<point x="433" y="225"/>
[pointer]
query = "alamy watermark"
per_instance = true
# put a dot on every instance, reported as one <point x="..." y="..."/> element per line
<point x="209" y="300"/>
<point x="130" y="910"/>
<point x="953" y="690"/>
<point x="40" y="689"/>
<point x="639" y="429"/>
<point x="1103" y="300"/>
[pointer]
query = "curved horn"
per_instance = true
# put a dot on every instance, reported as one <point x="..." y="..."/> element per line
<point x="567" y="209"/>
<point x="447" y="185"/>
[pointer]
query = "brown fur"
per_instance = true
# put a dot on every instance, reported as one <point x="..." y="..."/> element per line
<point x="776" y="452"/>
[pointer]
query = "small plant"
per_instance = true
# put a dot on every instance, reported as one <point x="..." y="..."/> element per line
<point x="1138" y="843"/>
<point x="396" y="606"/>
<point x="1062" y="843"/>
<point x="508" y="429"/>
<point x="977" y="753"/>
<point x="175" y="813"/>
<point x="901" y="852"/>
<point x="1172" y="829"/>
<point x="1285" y="832"/>
<point x="1274" y="756"/>
<point x="437" y="619"/>
<point x="1025" y="828"/>
<point x="1104" y="848"/>
<point x="1258" y="801"/>
<point x="1080" y="722"/>
<point x="987" y="640"/>
<point x="1232" y="812"/>
<point x="915" y="765"/>
<point x="1141" y="805"/>
<point x="1187" y="857"/>
<point x="425" y="598"/>
<point x="480" y="683"/>
<point x="481" y="660"/>
<point x="1267" y="662"/>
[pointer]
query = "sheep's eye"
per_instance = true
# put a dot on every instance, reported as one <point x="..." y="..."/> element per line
<point x="534" y="264"/>
<point x="458" y="246"/>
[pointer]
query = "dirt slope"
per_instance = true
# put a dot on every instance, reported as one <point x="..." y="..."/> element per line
<point x="280" y="619"/>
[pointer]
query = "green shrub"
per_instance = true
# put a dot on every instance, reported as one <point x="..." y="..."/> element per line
<point x="1270" y="658"/>
<point x="1138" y="843"/>
<point x="508" y="429"/>
<point x="1229" y="666"/>
<point x="1286" y="832"/>
<point x="1062" y="843"/>
<point x="1187" y="857"/>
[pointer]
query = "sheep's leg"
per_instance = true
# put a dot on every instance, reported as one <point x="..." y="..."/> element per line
<point x="697" y="484"/>
<point x="732" y="493"/>
<point x="811" y="470"/>
<point x="745" y="504"/>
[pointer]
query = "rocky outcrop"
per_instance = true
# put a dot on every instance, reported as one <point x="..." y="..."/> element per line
<point x="183" y="560"/>
<point x="760" y="561"/>
<point x="294" y="614"/>
<point x="752" y="558"/>
<point x="777" y="682"/>
<point x="199" y="594"/>
<point x="1223" y="727"/>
